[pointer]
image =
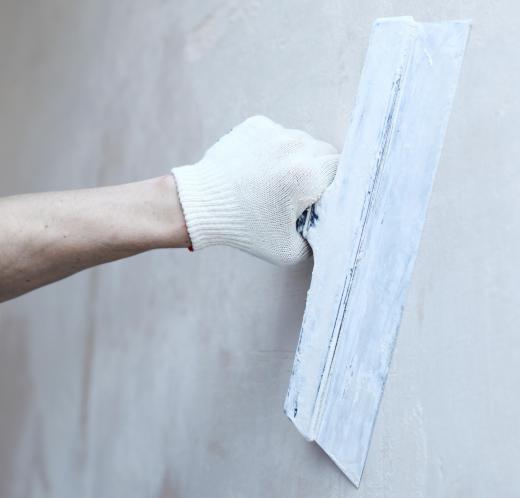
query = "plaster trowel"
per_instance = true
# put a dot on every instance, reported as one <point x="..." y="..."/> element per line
<point x="365" y="234"/>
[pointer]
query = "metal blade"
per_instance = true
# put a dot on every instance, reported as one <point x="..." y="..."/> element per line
<point x="365" y="234"/>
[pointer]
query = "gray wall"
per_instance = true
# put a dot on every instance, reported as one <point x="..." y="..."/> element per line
<point x="165" y="375"/>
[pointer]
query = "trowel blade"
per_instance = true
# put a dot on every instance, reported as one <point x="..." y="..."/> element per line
<point x="365" y="234"/>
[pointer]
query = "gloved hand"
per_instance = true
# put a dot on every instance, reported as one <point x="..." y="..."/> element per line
<point x="252" y="185"/>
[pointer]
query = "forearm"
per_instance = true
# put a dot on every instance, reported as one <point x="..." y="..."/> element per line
<point x="246" y="192"/>
<point x="48" y="236"/>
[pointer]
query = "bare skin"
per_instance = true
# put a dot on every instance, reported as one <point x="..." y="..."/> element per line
<point x="49" y="236"/>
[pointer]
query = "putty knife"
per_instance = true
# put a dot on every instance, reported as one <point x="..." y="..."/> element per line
<point x="365" y="234"/>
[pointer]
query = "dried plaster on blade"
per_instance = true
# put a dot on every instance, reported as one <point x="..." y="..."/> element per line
<point x="365" y="233"/>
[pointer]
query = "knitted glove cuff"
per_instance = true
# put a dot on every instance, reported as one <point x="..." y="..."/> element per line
<point x="211" y="210"/>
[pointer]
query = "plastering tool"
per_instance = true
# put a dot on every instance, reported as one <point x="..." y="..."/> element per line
<point x="365" y="234"/>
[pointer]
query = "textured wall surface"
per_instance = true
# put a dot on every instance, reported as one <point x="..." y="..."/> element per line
<point x="164" y="375"/>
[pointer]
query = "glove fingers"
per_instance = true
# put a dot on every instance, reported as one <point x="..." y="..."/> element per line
<point x="314" y="181"/>
<point x="312" y="146"/>
<point x="297" y="250"/>
<point x="327" y="166"/>
<point x="296" y="142"/>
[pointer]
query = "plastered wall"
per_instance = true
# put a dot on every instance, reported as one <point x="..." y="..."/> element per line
<point x="164" y="375"/>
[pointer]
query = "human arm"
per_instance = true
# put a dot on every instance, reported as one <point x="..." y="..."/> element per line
<point x="246" y="192"/>
<point x="48" y="236"/>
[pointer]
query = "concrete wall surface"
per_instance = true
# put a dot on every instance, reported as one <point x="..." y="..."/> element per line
<point x="164" y="375"/>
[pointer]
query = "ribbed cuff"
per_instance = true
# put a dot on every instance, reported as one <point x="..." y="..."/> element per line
<point x="210" y="208"/>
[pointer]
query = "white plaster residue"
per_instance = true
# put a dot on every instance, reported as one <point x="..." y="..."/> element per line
<point x="365" y="234"/>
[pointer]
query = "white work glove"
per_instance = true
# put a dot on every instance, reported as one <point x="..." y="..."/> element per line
<point x="252" y="185"/>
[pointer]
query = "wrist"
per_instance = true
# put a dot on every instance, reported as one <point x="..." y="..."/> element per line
<point x="169" y="224"/>
<point x="211" y="208"/>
